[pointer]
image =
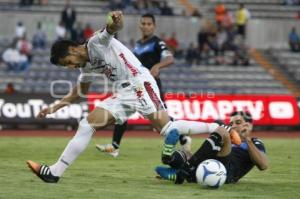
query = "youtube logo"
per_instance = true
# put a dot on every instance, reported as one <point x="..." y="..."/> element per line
<point x="281" y="110"/>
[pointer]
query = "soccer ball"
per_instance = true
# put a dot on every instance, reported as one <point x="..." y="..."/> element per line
<point x="211" y="173"/>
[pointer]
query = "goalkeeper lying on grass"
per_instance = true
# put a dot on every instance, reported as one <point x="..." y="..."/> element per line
<point x="238" y="158"/>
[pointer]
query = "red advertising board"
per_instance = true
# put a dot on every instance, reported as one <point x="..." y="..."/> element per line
<point x="265" y="109"/>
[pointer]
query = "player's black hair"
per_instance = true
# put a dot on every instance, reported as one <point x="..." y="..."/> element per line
<point x="246" y="115"/>
<point x="60" y="49"/>
<point x="149" y="15"/>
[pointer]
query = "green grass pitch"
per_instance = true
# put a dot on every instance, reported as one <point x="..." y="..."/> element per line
<point x="131" y="175"/>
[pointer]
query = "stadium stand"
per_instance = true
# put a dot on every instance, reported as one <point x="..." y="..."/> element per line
<point x="266" y="9"/>
<point x="178" y="78"/>
<point x="288" y="63"/>
<point x="89" y="6"/>
<point x="93" y="6"/>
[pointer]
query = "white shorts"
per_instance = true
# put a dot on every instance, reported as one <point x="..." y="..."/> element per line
<point x="142" y="97"/>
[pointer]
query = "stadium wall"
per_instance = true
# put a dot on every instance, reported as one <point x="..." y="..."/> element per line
<point x="261" y="33"/>
<point x="267" y="110"/>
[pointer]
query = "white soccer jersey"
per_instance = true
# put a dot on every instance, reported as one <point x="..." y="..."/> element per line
<point x="139" y="93"/>
<point x="110" y="57"/>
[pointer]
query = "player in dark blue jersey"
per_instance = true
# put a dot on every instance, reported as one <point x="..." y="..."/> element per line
<point x="242" y="158"/>
<point x="154" y="55"/>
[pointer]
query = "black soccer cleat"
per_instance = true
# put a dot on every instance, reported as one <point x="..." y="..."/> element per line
<point x="42" y="171"/>
<point x="186" y="172"/>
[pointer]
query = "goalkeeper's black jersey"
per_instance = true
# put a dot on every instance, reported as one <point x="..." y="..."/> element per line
<point x="239" y="162"/>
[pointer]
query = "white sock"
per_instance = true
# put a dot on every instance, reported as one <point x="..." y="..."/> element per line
<point x="75" y="146"/>
<point x="189" y="127"/>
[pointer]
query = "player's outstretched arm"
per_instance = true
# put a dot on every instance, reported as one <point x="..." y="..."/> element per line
<point x="76" y="92"/>
<point x="258" y="157"/>
<point x="114" y="22"/>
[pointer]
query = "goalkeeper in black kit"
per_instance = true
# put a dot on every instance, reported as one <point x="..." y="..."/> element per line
<point x="238" y="160"/>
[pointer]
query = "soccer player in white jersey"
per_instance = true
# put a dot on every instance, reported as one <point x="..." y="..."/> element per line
<point x="136" y="92"/>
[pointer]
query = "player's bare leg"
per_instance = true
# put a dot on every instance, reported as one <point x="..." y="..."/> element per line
<point x="159" y="119"/>
<point x="97" y="119"/>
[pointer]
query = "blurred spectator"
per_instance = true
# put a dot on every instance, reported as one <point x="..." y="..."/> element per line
<point x="26" y="2"/>
<point x="88" y="32"/>
<point x="172" y="43"/>
<point x="147" y="6"/>
<point x="291" y="2"/>
<point x="221" y="39"/>
<point x="230" y="42"/>
<point x="25" y="47"/>
<point x="165" y="9"/>
<point x="227" y="20"/>
<point x="154" y="7"/>
<point x="294" y="40"/>
<point x="39" y="38"/>
<point x="219" y="42"/>
<point x="241" y="54"/>
<point x="43" y="2"/>
<point x="192" y="56"/>
<point x="242" y="17"/>
<point x="196" y="13"/>
<point x="117" y="5"/>
<point x="10" y="89"/>
<point x="20" y="30"/>
<point x="60" y="31"/>
<point x="184" y="13"/>
<point x="220" y="11"/>
<point x="203" y="43"/>
<point x="14" y="60"/>
<point x="207" y="41"/>
<point x="68" y="17"/>
<point x="298" y="15"/>
<point x="79" y="33"/>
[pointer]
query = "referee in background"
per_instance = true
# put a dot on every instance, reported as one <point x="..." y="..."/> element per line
<point x="154" y="55"/>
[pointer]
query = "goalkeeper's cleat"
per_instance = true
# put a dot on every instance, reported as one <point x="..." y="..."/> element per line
<point x="166" y="173"/>
<point x="108" y="149"/>
<point x="42" y="171"/>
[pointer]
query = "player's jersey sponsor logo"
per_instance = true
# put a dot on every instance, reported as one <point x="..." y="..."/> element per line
<point x="131" y="68"/>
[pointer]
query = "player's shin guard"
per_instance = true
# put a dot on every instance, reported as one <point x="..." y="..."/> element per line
<point x="169" y="145"/>
<point x="75" y="146"/>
